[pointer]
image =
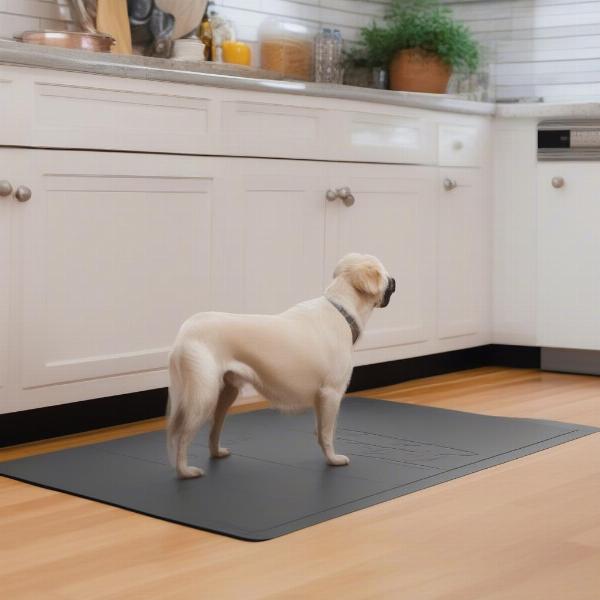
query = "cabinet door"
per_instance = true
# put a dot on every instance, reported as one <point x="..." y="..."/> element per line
<point x="115" y="252"/>
<point x="393" y="218"/>
<point x="461" y="253"/>
<point x="9" y="174"/>
<point x="569" y="256"/>
<point x="269" y="236"/>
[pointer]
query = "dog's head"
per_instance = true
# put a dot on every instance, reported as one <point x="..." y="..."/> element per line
<point x="367" y="276"/>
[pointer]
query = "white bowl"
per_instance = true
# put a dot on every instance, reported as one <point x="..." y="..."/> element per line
<point x="188" y="49"/>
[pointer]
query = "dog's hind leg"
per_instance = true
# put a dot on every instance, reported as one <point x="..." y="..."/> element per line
<point x="196" y="384"/>
<point x="327" y="406"/>
<point x="226" y="398"/>
<point x="189" y="430"/>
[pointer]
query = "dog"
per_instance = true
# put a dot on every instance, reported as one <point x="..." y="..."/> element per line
<point x="298" y="359"/>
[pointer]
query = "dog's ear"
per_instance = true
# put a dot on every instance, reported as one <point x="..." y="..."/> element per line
<point x="345" y="263"/>
<point x="366" y="278"/>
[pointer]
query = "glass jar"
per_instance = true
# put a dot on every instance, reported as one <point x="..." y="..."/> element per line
<point x="329" y="56"/>
<point x="286" y="47"/>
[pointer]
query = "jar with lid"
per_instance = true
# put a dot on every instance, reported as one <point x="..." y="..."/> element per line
<point x="286" y="47"/>
<point x="329" y="56"/>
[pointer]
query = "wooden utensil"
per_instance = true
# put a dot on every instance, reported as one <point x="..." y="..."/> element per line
<point x="112" y="19"/>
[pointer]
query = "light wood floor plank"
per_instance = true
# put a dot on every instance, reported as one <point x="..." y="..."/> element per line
<point x="525" y="530"/>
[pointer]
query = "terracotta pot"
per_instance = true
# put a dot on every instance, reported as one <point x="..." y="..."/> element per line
<point x="414" y="70"/>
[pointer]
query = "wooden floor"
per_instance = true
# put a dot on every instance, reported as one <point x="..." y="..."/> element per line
<point x="525" y="530"/>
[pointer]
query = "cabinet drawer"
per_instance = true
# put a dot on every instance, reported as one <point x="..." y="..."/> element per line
<point x="459" y="145"/>
<point x="272" y="129"/>
<point x="403" y="137"/>
<point x="100" y="116"/>
<point x="56" y="109"/>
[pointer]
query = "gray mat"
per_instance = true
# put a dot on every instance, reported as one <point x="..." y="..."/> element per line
<point x="276" y="480"/>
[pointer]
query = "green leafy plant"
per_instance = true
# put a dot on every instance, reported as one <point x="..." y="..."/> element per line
<point x="356" y="57"/>
<point x="423" y="24"/>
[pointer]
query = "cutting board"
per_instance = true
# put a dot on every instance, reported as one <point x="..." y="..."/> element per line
<point x="112" y="18"/>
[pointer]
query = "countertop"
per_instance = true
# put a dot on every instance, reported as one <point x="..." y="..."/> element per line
<point x="542" y="110"/>
<point x="226" y="76"/>
<point x="243" y="78"/>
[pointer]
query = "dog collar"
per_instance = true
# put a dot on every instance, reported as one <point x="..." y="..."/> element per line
<point x="349" y="319"/>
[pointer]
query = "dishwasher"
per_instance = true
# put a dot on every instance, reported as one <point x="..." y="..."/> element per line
<point x="568" y="319"/>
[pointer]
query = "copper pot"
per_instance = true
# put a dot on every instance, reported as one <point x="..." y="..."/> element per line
<point x="415" y="70"/>
<point x="77" y="40"/>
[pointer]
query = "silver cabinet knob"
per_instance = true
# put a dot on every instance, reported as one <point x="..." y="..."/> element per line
<point x="558" y="182"/>
<point x="345" y="193"/>
<point x="23" y="193"/>
<point x="449" y="184"/>
<point x="331" y="195"/>
<point x="5" y="188"/>
<point x="457" y="145"/>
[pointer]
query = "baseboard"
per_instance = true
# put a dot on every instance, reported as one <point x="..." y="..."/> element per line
<point x="568" y="360"/>
<point x="521" y="357"/>
<point x="397" y="371"/>
<point x="76" y="417"/>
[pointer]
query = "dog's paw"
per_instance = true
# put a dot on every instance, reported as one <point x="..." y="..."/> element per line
<point x="190" y="472"/>
<point x="338" y="460"/>
<point x="221" y="453"/>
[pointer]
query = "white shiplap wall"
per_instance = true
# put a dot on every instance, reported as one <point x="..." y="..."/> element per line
<point x="347" y="15"/>
<point x="17" y="16"/>
<point x="548" y="48"/>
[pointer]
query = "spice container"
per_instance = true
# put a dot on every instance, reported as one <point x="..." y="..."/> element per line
<point x="236" y="53"/>
<point x="287" y="48"/>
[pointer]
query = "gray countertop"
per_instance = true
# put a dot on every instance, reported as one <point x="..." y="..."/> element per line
<point x="541" y="110"/>
<point x="225" y="76"/>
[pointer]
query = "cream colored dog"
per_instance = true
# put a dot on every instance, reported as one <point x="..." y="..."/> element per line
<point x="298" y="359"/>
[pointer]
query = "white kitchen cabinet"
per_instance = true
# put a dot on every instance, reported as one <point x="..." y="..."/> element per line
<point x="269" y="235"/>
<point x="569" y="255"/>
<point x="393" y="218"/>
<point x="461" y="252"/>
<point x="178" y="198"/>
<point x="514" y="216"/>
<point x="114" y="253"/>
<point x="277" y="239"/>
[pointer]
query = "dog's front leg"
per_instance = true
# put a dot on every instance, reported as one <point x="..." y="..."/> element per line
<point x="326" y="407"/>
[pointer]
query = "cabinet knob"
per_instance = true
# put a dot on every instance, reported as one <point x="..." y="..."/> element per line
<point x="331" y="195"/>
<point x="5" y="188"/>
<point x="449" y="184"/>
<point x="457" y="145"/>
<point x="345" y="193"/>
<point x="23" y="193"/>
<point x="558" y="182"/>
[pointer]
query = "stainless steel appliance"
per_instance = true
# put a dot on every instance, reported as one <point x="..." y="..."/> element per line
<point x="569" y="140"/>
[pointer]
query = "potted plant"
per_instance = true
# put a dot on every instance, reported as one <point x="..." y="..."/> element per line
<point x="421" y="44"/>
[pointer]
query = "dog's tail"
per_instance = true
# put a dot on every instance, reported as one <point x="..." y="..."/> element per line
<point x="194" y="388"/>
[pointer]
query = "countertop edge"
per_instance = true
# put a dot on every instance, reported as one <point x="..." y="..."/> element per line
<point x="543" y="111"/>
<point x="12" y="53"/>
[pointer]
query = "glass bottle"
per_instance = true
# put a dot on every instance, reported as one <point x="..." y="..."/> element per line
<point x="328" y="56"/>
<point x="338" y="68"/>
<point x="205" y="35"/>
